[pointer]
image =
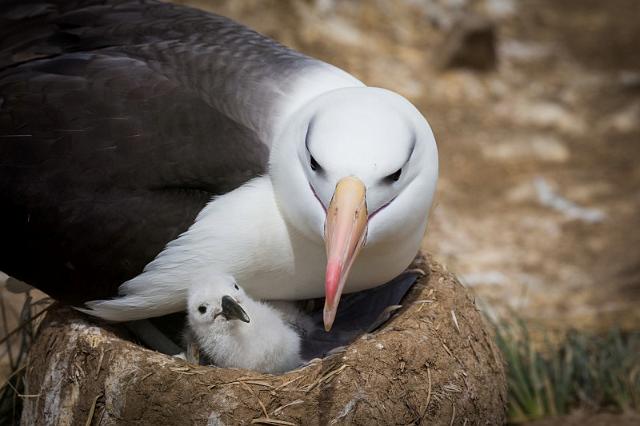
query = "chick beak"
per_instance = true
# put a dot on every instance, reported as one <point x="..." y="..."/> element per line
<point x="232" y="310"/>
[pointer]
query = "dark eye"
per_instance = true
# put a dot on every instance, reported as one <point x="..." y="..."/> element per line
<point x="202" y="309"/>
<point x="236" y="287"/>
<point x="313" y="163"/>
<point x="393" y="177"/>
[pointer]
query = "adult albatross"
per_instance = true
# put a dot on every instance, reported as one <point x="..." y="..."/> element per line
<point x="146" y="146"/>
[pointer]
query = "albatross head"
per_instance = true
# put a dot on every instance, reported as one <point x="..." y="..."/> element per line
<point x="355" y="169"/>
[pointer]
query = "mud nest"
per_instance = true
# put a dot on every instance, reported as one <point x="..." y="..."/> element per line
<point x="433" y="362"/>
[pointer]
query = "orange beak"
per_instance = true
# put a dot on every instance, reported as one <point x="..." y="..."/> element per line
<point x="344" y="234"/>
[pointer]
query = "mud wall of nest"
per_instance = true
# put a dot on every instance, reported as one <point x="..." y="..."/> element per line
<point x="434" y="362"/>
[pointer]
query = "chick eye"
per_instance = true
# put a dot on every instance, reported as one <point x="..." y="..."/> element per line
<point x="202" y="309"/>
<point x="313" y="163"/>
<point x="393" y="177"/>
<point x="236" y="287"/>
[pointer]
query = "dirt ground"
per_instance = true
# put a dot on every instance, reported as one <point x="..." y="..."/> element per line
<point x="538" y="200"/>
<point x="539" y="196"/>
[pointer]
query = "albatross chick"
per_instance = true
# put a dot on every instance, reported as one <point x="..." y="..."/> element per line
<point x="234" y="330"/>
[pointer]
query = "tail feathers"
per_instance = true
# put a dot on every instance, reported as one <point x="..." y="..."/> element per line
<point x="146" y="296"/>
<point x="132" y="307"/>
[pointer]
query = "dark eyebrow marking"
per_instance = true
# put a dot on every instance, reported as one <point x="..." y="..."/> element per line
<point x="413" y="146"/>
<point x="306" y="137"/>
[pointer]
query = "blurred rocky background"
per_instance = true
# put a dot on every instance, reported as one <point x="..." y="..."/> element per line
<point x="535" y="105"/>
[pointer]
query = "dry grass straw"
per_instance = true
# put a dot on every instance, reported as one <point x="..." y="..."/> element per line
<point x="14" y="346"/>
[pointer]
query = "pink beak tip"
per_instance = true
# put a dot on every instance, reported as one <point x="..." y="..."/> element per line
<point x="332" y="280"/>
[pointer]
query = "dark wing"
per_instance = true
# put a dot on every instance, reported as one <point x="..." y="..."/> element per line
<point x="109" y="145"/>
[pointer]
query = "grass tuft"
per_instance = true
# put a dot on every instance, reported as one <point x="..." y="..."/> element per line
<point x="584" y="370"/>
<point x="14" y="346"/>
